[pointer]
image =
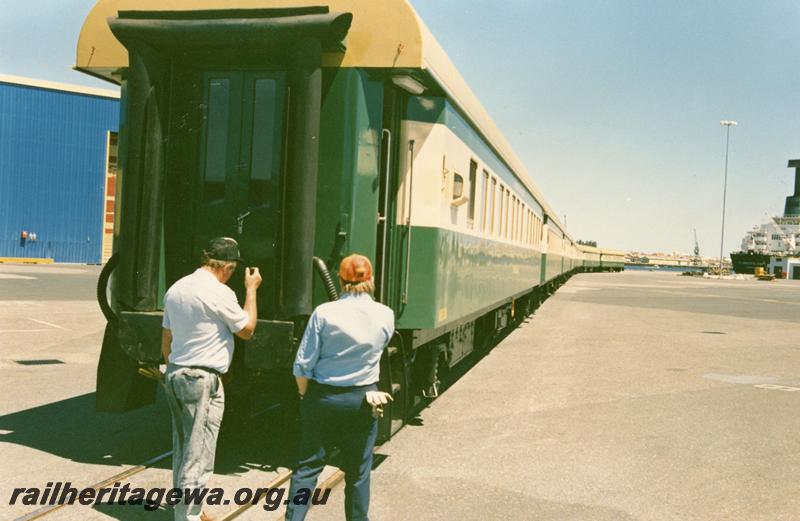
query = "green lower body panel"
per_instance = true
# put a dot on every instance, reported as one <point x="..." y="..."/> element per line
<point x="453" y="275"/>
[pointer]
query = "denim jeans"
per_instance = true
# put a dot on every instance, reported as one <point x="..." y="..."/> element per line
<point x="335" y="417"/>
<point x="196" y="400"/>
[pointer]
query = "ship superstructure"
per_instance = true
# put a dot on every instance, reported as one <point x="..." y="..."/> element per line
<point x="776" y="239"/>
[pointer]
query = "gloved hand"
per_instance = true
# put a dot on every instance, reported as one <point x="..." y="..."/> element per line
<point x="376" y="400"/>
<point x="152" y="371"/>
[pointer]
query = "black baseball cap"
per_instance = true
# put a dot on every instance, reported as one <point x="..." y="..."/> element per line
<point x="224" y="249"/>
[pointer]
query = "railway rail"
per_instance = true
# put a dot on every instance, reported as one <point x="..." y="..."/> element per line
<point x="136" y="469"/>
<point x="281" y="480"/>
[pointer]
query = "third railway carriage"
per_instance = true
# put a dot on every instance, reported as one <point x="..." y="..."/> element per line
<point x="600" y="259"/>
<point x="591" y="258"/>
<point x="612" y="260"/>
<point x="307" y="131"/>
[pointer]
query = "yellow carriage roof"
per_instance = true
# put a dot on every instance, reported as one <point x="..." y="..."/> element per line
<point x="383" y="34"/>
<point x="588" y="249"/>
<point x="604" y="251"/>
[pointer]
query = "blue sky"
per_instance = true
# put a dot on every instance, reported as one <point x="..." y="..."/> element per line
<point x="614" y="107"/>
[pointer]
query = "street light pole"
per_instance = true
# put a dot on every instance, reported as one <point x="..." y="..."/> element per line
<point x="728" y="124"/>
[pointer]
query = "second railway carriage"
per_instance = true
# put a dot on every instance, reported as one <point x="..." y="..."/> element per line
<point x="612" y="260"/>
<point x="600" y="259"/>
<point x="308" y="131"/>
<point x="591" y="258"/>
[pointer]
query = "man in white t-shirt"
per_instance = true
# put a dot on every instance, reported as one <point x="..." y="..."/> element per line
<point x="201" y="315"/>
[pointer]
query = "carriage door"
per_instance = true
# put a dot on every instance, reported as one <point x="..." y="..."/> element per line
<point x="240" y="170"/>
<point x="395" y="369"/>
<point x="386" y="265"/>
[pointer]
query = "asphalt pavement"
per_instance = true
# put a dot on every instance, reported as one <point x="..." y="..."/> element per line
<point x="631" y="396"/>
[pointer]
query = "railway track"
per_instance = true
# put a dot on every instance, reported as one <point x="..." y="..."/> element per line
<point x="279" y="481"/>
<point x="49" y="509"/>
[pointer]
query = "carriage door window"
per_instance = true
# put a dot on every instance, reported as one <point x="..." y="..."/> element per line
<point x="265" y="143"/>
<point x="242" y="148"/>
<point x="219" y="157"/>
<point x="261" y="158"/>
<point x="216" y="146"/>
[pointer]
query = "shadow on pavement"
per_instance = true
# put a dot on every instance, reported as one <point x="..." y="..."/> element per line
<point x="72" y="429"/>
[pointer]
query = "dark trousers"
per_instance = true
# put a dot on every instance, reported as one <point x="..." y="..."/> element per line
<point x="331" y="416"/>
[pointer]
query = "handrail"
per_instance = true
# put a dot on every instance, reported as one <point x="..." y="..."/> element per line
<point x="385" y="216"/>
<point x="404" y="298"/>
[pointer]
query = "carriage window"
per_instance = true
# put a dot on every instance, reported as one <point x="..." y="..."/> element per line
<point x="501" y="224"/>
<point x="537" y="227"/>
<point x="512" y="205"/>
<point x="523" y="222"/>
<point x="523" y="231"/>
<point x="485" y="199"/>
<point x="473" y="184"/>
<point x="511" y="222"/>
<point x="533" y="230"/>
<point x="513" y="217"/>
<point x="458" y="186"/>
<point x="494" y="205"/>
<point x="266" y="142"/>
<point x="216" y="139"/>
<point x="527" y="230"/>
<point x="530" y="227"/>
<point x="507" y="225"/>
<point x="500" y="220"/>
<point x="532" y="233"/>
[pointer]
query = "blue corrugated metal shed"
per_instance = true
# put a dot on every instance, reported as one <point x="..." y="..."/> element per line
<point x="52" y="168"/>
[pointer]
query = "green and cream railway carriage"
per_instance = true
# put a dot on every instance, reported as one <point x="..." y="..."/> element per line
<point x="612" y="260"/>
<point x="308" y="132"/>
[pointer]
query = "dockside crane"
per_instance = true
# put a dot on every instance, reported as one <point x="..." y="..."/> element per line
<point x="696" y="259"/>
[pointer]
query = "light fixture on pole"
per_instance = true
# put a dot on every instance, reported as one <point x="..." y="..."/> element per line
<point x="727" y="123"/>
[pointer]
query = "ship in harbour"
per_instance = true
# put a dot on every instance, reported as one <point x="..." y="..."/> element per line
<point x="778" y="239"/>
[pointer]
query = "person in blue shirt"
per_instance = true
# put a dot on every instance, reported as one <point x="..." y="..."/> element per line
<point x="337" y="369"/>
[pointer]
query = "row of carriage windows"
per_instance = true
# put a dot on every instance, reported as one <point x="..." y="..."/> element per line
<point x="502" y="214"/>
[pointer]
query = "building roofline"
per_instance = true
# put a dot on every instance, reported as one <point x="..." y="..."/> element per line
<point x="61" y="87"/>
